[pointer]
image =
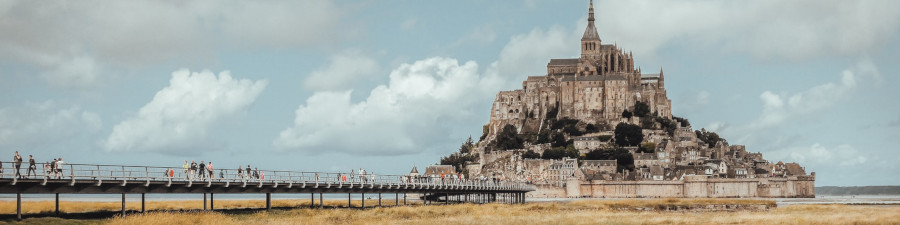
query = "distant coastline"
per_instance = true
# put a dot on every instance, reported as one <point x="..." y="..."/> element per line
<point x="857" y="190"/>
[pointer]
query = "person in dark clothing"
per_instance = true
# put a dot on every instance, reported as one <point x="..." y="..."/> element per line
<point x="248" y="173"/>
<point x="202" y="170"/>
<point x="18" y="164"/>
<point x="32" y="167"/>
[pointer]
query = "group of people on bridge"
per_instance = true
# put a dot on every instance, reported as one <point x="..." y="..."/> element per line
<point x="51" y="169"/>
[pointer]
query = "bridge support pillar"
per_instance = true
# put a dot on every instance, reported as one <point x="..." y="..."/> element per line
<point x="204" y="201"/>
<point x="142" y="202"/>
<point x="348" y="200"/>
<point x="212" y="202"/>
<point x="57" y="204"/>
<point x="123" y="204"/>
<point x="404" y="198"/>
<point x="446" y="198"/>
<point x="321" y="205"/>
<point x="363" y="200"/>
<point x="379" y="199"/>
<point x="312" y="200"/>
<point x="268" y="201"/>
<point x="396" y="199"/>
<point x="19" y="206"/>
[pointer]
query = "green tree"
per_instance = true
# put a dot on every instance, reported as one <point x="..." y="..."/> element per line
<point x="641" y="109"/>
<point x="708" y="137"/>
<point x="648" y="147"/>
<point x="509" y="138"/>
<point x="531" y="155"/>
<point x="558" y="140"/>
<point x="624" y="159"/>
<point x="467" y="146"/>
<point x="628" y="134"/>
<point x="684" y="122"/>
<point x="626" y="114"/>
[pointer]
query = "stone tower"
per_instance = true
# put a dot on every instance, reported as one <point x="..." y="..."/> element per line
<point x="590" y="42"/>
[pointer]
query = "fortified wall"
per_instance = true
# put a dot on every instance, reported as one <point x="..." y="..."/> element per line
<point x="695" y="187"/>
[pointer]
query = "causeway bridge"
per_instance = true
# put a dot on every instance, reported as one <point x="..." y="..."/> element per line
<point x="122" y="179"/>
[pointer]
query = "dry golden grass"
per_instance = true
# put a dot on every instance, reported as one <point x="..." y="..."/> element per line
<point x="575" y="212"/>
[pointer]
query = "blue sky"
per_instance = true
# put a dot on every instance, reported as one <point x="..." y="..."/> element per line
<point x="334" y="86"/>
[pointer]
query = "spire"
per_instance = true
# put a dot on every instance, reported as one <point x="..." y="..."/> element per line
<point x="590" y="33"/>
<point x="662" y="79"/>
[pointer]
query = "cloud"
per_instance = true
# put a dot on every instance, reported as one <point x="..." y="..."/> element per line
<point x="779" y="108"/>
<point x="32" y="125"/>
<point x="820" y="156"/>
<point x="180" y="115"/>
<point x="422" y="103"/>
<point x="345" y="69"/>
<point x="756" y="27"/>
<point x="528" y="54"/>
<point x="82" y="42"/>
<point x="409" y="24"/>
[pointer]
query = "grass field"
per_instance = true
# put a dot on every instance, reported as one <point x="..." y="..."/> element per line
<point x="575" y="212"/>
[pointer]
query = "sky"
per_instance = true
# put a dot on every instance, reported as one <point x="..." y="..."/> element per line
<point x="388" y="85"/>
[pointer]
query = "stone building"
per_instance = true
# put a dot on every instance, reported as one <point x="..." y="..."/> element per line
<point x="596" y="88"/>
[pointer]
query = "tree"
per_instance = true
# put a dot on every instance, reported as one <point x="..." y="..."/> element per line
<point x="641" y="109"/>
<point x="552" y="112"/>
<point x="626" y="114"/>
<point x="467" y="146"/>
<point x="591" y="128"/>
<point x="648" y="147"/>
<point x="560" y="152"/>
<point x="509" y="138"/>
<point x="624" y="159"/>
<point x="708" y="137"/>
<point x="628" y="134"/>
<point x="531" y="155"/>
<point x="684" y="122"/>
<point x="557" y="140"/>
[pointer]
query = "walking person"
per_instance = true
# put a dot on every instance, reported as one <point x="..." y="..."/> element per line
<point x="209" y="170"/>
<point x="32" y="167"/>
<point x="47" y="169"/>
<point x="17" y="159"/>
<point x="53" y="169"/>
<point x="202" y="170"/>
<point x="185" y="168"/>
<point x="240" y="173"/>
<point x="193" y="169"/>
<point x="249" y="176"/>
<point x="59" y="165"/>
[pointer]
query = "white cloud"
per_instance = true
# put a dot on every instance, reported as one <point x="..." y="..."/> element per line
<point x="423" y="102"/>
<point x="815" y="27"/>
<point x="408" y="24"/>
<point x="702" y="98"/>
<point x="778" y="108"/>
<point x="82" y="41"/>
<point x="528" y="54"/>
<point x="821" y="157"/>
<point x="179" y="115"/>
<point x="345" y="69"/>
<point x="34" y="124"/>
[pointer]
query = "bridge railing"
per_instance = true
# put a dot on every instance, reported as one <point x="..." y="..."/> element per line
<point x="123" y="173"/>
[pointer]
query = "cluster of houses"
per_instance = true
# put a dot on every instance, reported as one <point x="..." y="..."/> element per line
<point x="674" y="157"/>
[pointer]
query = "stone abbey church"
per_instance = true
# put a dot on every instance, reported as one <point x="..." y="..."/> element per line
<point x="596" y="88"/>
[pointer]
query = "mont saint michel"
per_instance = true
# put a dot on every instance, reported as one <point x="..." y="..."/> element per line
<point x="597" y="126"/>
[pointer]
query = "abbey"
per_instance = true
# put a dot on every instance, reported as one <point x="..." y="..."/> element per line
<point x="595" y="126"/>
<point x="596" y="88"/>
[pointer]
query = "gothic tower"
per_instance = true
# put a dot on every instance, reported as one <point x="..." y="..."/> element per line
<point x="590" y="42"/>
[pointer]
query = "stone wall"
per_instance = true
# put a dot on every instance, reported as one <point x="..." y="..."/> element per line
<point x="547" y="191"/>
<point x="695" y="187"/>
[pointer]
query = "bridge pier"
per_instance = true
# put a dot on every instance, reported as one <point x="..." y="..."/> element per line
<point x="212" y="202"/>
<point x="57" y="204"/>
<point x="142" y="203"/>
<point x="204" y="201"/>
<point x="404" y="198"/>
<point x="123" y="204"/>
<point x="348" y="200"/>
<point x="363" y="200"/>
<point x="396" y="199"/>
<point x="19" y="206"/>
<point x="321" y="205"/>
<point x="268" y="201"/>
<point x="379" y="199"/>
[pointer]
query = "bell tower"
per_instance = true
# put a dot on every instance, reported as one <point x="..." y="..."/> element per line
<point x="590" y="42"/>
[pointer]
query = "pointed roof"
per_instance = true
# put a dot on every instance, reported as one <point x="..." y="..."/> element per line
<point x="590" y="33"/>
<point x="414" y="171"/>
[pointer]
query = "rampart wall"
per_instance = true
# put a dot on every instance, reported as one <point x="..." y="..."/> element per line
<point x="696" y="187"/>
